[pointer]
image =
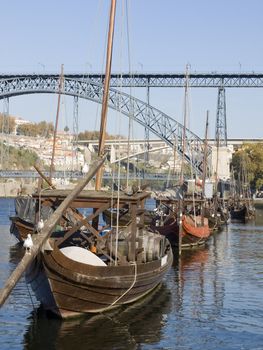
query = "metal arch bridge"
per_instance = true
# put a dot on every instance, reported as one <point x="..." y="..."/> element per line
<point x="151" y="118"/>
<point x="214" y="79"/>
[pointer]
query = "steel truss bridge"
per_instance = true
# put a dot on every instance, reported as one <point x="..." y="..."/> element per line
<point x="151" y="118"/>
<point x="213" y="80"/>
<point x="89" y="86"/>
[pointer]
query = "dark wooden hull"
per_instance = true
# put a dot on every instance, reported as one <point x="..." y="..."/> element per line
<point x="20" y="228"/>
<point x="239" y="214"/>
<point x="191" y="236"/>
<point x="170" y="230"/>
<point x="216" y="220"/>
<point x="68" y="288"/>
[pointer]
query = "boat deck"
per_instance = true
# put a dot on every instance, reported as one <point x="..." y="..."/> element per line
<point x="90" y="198"/>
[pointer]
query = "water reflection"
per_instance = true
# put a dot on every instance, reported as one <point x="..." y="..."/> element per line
<point x="123" y="329"/>
<point x="199" y="289"/>
<point x="259" y="217"/>
<point x="16" y="252"/>
<point x="211" y="299"/>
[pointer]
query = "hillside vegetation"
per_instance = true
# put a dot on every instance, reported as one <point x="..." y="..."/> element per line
<point x="94" y="135"/>
<point x="17" y="158"/>
<point x="42" y="129"/>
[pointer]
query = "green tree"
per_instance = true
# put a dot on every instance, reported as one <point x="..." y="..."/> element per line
<point x="42" y="129"/>
<point x="249" y="161"/>
<point x="94" y="135"/>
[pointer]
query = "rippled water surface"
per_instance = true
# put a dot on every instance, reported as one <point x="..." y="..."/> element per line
<point x="211" y="299"/>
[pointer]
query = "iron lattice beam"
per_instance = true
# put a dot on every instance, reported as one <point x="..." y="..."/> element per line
<point x="221" y="126"/>
<point x="149" y="117"/>
<point x="215" y="80"/>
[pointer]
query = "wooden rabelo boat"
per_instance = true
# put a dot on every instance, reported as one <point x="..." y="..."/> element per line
<point x="88" y="270"/>
<point x="193" y="232"/>
<point x="21" y="228"/>
<point x="239" y="213"/>
<point x="23" y="222"/>
<point x="69" y="280"/>
<point x="27" y="217"/>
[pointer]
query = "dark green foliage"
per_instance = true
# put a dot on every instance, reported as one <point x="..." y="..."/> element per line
<point x="249" y="160"/>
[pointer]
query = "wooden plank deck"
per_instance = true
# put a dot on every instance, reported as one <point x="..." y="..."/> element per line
<point x="89" y="198"/>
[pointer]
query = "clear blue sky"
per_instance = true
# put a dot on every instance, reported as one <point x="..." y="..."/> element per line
<point x="164" y="36"/>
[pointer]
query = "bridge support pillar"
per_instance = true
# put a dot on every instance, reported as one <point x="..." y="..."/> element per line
<point x="221" y="152"/>
<point x="221" y="127"/>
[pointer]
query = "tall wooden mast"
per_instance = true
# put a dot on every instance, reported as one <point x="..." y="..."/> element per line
<point x="204" y="168"/>
<point x="106" y="91"/>
<point x="181" y="181"/>
<point x="185" y="121"/>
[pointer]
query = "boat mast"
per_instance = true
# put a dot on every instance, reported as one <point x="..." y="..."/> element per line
<point x="60" y="87"/>
<point x="204" y="169"/>
<point x="185" y="119"/>
<point x="105" y="98"/>
<point x="216" y="174"/>
<point x="180" y="202"/>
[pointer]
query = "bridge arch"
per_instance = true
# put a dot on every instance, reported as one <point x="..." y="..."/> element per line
<point x="159" y="123"/>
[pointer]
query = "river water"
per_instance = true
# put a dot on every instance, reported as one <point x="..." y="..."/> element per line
<point x="211" y="298"/>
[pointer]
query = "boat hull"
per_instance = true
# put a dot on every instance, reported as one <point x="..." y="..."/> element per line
<point x="20" y="228"/>
<point x="68" y="288"/>
<point x="239" y="214"/>
<point x="191" y="236"/>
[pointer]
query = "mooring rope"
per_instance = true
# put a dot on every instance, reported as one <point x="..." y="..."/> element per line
<point x="127" y="291"/>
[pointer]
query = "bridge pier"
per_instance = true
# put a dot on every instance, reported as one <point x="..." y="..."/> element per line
<point x="221" y="126"/>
